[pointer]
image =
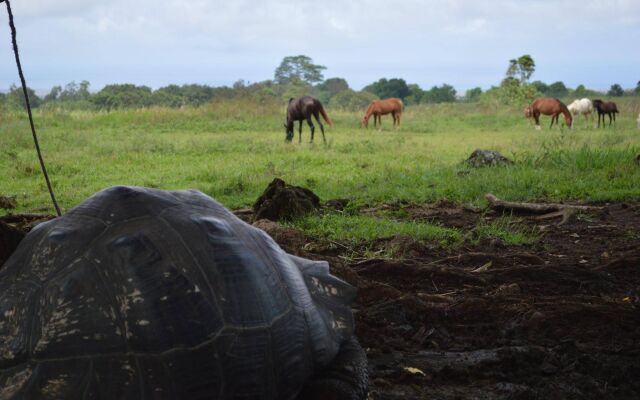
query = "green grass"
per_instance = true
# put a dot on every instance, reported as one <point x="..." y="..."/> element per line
<point x="231" y="151"/>
<point x="355" y="228"/>
<point x="507" y="229"/>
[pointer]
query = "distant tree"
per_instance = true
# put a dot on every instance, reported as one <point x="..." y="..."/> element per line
<point x="197" y="95"/>
<point x="53" y="94"/>
<point x="351" y="100"/>
<point x="540" y="86"/>
<point x="168" y="96"/>
<point x="15" y="97"/>
<point x="616" y="90"/>
<point x="83" y="91"/>
<point x="521" y="68"/>
<point x="416" y="94"/>
<point x="74" y="92"/>
<point x="330" y="87"/>
<point x="557" y="89"/>
<point x="581" y="91"/>
<point x="473" y="94"/>
<point x="440" y="94"/>
<point x="384" y="88"/>
<point x="295" y="88"/>
<point x="510" y="91"/>
<point x="300" y="67"/>
<point x="637" y="89"/>
<point x="514" y="88"/>
<point x="222" y="92"/>
<point x="123" y="96"/>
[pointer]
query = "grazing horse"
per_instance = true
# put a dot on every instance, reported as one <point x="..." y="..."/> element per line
<point x="582" y="106"/>
<point x="378" y="108"/>
<point x="605" y="107"/>
<point x="550" y="106"/>
<point x="301" y="109"/>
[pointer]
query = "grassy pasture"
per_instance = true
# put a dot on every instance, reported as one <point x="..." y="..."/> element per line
<point x="232" y="150"/>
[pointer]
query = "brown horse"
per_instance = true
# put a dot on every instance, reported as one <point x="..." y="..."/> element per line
<point x="549" y="106"/>
<point x="379" y="108"/>
<point x="605" y="107"/>
<point x="301" y="109"/>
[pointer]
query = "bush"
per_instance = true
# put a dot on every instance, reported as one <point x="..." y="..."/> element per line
<point x="121" y="96"/>
<point x="350" y="100"/>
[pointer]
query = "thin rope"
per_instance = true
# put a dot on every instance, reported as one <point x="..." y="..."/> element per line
<point x="26" y="99"/>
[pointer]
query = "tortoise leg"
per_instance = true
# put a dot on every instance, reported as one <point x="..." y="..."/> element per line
<point x="346" y="378"/>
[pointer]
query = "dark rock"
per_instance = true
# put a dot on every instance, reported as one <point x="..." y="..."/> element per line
<point x="284" y="202"/>
<point x="10" y="237"/>
<point x="487" y="158"/>
<point x="337" y="204"/>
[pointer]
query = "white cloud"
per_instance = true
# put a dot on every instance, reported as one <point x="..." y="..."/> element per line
<point x="425" y="41"/>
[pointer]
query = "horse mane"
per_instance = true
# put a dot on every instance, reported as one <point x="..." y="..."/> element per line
<point x="369" y="111"/>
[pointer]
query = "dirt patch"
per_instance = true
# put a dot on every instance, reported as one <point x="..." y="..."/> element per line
<point x="291" y="240"/>
<point x="559" y="319"/>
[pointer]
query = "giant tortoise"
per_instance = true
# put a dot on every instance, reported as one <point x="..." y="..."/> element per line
<point x="140" y="293"/>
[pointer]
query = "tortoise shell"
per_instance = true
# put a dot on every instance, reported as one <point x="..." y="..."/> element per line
<point x="143" y="293"/>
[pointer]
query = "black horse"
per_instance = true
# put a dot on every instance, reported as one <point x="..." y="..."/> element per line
<point x="301" y="109"/>
<point x="605" y="107"/>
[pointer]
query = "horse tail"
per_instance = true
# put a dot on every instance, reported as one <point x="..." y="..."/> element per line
<point x="325" y="116"/>
<point x="401" y="104"/>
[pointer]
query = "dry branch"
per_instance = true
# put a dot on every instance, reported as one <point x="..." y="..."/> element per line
<point x="535" y="208"/>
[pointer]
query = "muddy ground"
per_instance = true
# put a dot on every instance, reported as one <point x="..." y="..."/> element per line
<point x="559" y="319"/>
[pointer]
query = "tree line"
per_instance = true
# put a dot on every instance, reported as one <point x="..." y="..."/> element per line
<point x="297" y="76"/>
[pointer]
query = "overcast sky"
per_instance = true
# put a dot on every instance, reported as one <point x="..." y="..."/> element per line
<point x="465" y="43"/>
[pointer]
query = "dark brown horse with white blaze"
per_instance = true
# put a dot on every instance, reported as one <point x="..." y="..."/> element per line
<point x="302" y="109"/>
<point x="605" y="107"/>
<point x="549" y="106"/>
<point x="378" y="108"/>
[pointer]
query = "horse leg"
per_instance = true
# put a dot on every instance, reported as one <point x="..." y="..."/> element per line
<point x="321" y="126"/>
<point x="553" y="116"/>
<point x="313" y="128"/>
<point x="399" y="114"/>
<point x="300" y="132"/>
<point x="536" y="117"/>
<point x="610" y="119"/>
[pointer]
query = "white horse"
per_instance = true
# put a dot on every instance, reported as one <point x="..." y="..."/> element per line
<point x="582" y="106"/>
